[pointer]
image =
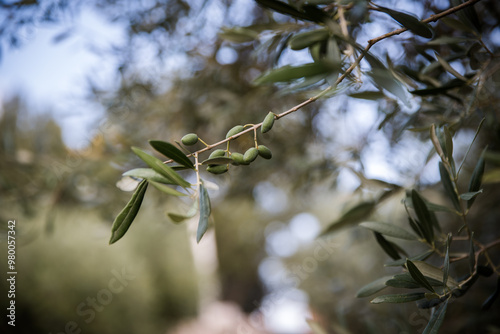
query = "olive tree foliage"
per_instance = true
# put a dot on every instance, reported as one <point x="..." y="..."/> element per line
<point x="433" y="77"/>
<point x="445" y="82"/>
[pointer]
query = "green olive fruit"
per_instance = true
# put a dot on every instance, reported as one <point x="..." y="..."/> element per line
<point x="268" y="122"/>
<point x="190" y="139"/>
<point x="217" y="169"/>
<point x="265" y="152"/>
<point x="250" y="155"/>
<point x="217" y="153"/>
<point x="238" y="159"/>
<point x="235" y="130"/>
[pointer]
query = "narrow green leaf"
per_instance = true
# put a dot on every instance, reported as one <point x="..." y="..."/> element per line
<point x="368" y="95"/>
<point x="476" y="179"/>
<point x="450" y="69"/>
<point x="423" y="215"/>
<point x="402" y="281"/>
<point x="172" y="152"/>
<point x="238" y="34"/>
<point x="309" y="13"/>
<point x="205" y="210"/>
<point x="469" y="196"/>
<point x="436" y="320"/>
<point x="415" y="227"/>
<point x="455" y="83"/>
<point x="353" y="216"/>
<point x="178" y="218"/>
<point x="129" y="212"/>
<point x="166" y="189"/>
<point x="389" y="230"/>
<point x="418" y="276"/>
<point x="410" y="22"/>
<point x="160" y="167"/>
<point x="305" y="39"/>
<point x="386" y="80"/>
<point x="148" y="174"/>
<point x="387" y="246"/>
<point x="217" y="161"/>
<point x="373" y="287"/>
<point x="472" y="254"/>
<point x="399" y="298"/>
<point x="448" y="186"/>
<point x="491" y="299"/>
<point x="418" y="257"/>
<point x="468" y="16"/>
<point x="433" y="273"/>
<point x="289" y="73"/>
<point x="446" y="268"/>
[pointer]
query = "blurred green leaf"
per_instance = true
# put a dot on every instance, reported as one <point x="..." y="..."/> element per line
<point x="423" y="215"/>
<point x="418" y="276"/>
<point x="415" y="227"/>
<point x="449" y="40"/>
<point x="305" y="39"/>
<point x="446" y="267"/>
<point x="386" y="80"/>
<point x="418" y="257"/>
<point x="449" y="68"/>
<point x="436" y="319"/>
<point x="389" y="230"/>
<point x="178" y="218"/>
<point x="353" y="216"/>
<point x="368" y="95"/>
<point x="129" y="212"/>
<point x="166" y="189"/>
<point x="172" y="152"/>
<point x="434" y="273"/>
<point x="410" y="22"/>
<point x="387" y="246"/>
<point x="476" y="178"/>
<point x="205" y="210"/>
<point x="491" y="299"/>
<point x="468" y="16"/>
<point x="455" y="83"/>
<point x="160" y="167"/>
<point x="472" y="254"/>
<point x="399" y="298"/>
<point x="402" y="281"/>
<point x="309" y="13"/>
<point x="469" y="196"/>
<point x="448" y="186"/>
<point x="289" y="73"/>
<point x="238" y="34"/>
<point x="373" y="287"/>
<point x="148" y="174"/>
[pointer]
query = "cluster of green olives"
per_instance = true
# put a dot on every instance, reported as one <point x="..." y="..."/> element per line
<point x="219" y="160"/>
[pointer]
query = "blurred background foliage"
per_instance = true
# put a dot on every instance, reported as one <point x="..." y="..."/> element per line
<point x="266" y="215"/>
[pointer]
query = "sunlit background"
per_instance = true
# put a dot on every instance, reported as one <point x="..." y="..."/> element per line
<point x="77" y="92"/>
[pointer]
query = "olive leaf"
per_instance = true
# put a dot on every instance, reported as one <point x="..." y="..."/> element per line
<point x="353" y="216"/>
<point x="172" y="152"/>
<point x="399" y="298"/>
<point x="418" y="276"/>
<point x="389" y="230"/>
<point x="160" y="167"/>
<point x="305" y="39"/>
<point x="129" y="212"/>
<point x="289" y="73"/>
<point x="410" y="22"/>
<point x="476" y="179"/>
<point x="436" y="319"/>
<point x="424" y="216"/>
<point x="448" y="186"/>
<point x="148" y="174"/>
<point x="205" y="210"/>
<point x="373" y="287"/>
